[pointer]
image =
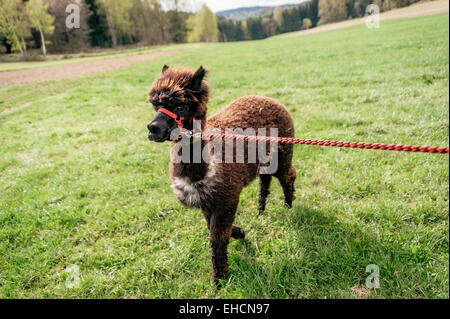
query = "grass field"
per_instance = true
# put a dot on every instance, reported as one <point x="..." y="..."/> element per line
<point x="81" y="185"/>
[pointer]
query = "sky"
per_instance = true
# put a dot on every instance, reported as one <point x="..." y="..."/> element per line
<point x="220" y="5"/>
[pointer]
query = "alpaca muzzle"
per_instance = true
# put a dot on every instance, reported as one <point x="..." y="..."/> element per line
<point x="161" y="127"/>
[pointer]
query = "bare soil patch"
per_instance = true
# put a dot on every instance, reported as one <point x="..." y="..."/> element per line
<point x="74" y="70"/>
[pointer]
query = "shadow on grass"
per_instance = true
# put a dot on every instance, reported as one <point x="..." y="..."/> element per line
<point x="321" y="257"/>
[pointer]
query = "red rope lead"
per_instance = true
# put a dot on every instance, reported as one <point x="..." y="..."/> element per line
<point x="292" y="140"/>
<point x="360" y="145"/>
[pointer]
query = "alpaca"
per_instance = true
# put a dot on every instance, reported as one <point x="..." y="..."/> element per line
<point x="215" y="187"/>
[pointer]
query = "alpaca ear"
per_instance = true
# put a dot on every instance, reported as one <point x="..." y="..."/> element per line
<point x="196" y="82"/>
<point x="164" y="69"/>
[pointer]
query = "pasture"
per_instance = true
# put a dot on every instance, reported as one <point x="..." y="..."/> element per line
<point x="81" y="185"/>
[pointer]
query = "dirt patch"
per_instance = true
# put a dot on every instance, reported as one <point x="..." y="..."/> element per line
<point x="361" y="292"/>
<point x="416" y="10"/>
<point x="74" y="70"/>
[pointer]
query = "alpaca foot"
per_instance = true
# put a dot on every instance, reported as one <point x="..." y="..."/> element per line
<point x="218" y="280"/>
<point x="287" y="183"/>
<point x="264" y="185"/>
<point x="218" y="284"/>
<point x="237" y="233"/>
<point x="289" y="202"/>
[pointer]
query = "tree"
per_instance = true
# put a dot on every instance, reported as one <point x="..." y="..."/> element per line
<point x="24" y="30"/>
<point x="160" y="19"/>
<point x="202" y="26"/>
<point x="118" y="18"/>
<point x="40" y="19"/>
<point x="245" y="33"/>
<point x="14" y="24"/>
<point x="313" y="12"/>
<point x="138" y="28"/>
<point x="278" y="16"/>
<point x="177" y="26"/>
<point x="269" y="27"/>
<point x="6" y="44"/>
<point x="306" y="23"/>
<point x="230" y="30"/>
<point x="387" y="5"/>
<point x="152" y="23"/>
<point x="64" y="37"/>
<point x="332" y="10"/>
<point x="98" y="35"/>
<point x="291" y="20"/>
<point x="239" y="31"/>
<point x="226" y="29"/>
<point x="254" y="28"/>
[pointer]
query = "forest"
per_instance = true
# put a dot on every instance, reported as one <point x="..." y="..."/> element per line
<point x="42" y="24"/>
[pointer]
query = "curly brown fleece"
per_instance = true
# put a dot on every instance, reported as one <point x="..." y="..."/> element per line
<point x="215" y="187"/>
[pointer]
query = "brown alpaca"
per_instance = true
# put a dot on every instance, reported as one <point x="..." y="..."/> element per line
<point x="215" y="187"/>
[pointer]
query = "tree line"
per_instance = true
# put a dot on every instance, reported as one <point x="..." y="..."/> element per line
<point x="18" y="19"/>
<point x="333" y="11"/>
<point x="103" y="23"/>
<point x="306" y="15"/>
<point x="41" y="24"/>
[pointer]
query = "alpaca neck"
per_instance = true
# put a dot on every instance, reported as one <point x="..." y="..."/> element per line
<point x="190" y="169"/>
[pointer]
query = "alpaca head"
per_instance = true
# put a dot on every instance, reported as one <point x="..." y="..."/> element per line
<point x="181" y="92"/>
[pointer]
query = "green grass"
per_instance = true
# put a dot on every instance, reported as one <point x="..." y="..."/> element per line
<point x="80" y="183"/>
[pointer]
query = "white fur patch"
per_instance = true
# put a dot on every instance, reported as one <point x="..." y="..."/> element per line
<point x="192" y="194"/>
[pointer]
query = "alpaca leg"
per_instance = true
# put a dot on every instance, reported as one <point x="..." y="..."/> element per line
<point x="207" y="218"/>
<point x="264" y="185"/>
<point x="220" y="232"/>
<point x="237" y="233"/>
<point x="287" y="183"/>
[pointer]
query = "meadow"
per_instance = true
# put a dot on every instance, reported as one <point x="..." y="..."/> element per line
<point x="81" y="185"/>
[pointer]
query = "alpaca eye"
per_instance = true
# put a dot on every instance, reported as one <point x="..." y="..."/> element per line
<point x="180" y="108"/>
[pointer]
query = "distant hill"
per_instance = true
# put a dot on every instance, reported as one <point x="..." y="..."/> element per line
<point x="246" y="12"/>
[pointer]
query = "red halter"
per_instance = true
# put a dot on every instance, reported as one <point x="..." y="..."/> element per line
<point x="177" y="118"/>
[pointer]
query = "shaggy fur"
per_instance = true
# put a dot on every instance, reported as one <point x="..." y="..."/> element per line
<point x="215" y="187"/>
